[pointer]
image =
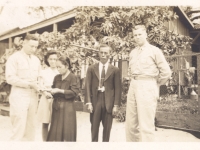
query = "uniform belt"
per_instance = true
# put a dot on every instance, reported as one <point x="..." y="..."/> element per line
<point x="142" y="78"/>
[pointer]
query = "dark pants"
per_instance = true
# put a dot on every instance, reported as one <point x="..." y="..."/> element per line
<point x="100" y="114"/>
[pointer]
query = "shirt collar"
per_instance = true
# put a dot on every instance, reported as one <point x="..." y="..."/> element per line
<point x="65" y="79"/>
<point x="22" y="51"/>
<point x="106" y="64"/>
<point x="143" y="46"/>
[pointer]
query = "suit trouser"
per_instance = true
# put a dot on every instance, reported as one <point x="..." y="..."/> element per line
<point x="140" y="112"/>
<point x="100" y="114"/>
<point x="23" y="117"/>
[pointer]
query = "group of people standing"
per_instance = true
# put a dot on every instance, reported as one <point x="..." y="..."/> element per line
<point x="59" y="87"/>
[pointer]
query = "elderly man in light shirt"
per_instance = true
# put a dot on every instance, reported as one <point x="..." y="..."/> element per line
<point x="22" y="72"/>
<point x="149" y="69"/>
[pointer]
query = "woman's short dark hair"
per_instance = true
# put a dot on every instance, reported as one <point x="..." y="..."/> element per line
<point x="46" y="57"/>
<point x="65" y="61"/>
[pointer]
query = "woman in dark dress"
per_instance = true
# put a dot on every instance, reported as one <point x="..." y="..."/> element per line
<point x="64" y="90"/>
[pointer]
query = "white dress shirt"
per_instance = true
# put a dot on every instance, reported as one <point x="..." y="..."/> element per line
<point x="101" y="68"/>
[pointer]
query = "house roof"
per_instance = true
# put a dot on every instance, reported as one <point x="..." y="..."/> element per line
<point x="195" y="18"/>
<point x="10" y="31"/>
<point x="17" y="31"/>
<point x="184" y="16"/>
<point x="194" y="15"/>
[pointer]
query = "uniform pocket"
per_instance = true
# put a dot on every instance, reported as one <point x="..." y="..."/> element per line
<point x="146" y="62"/>
<point x="153" y="93"/>
<point x="22" y="70"/>
<point x="147" y="95"/>
<point x="35" y="73"/>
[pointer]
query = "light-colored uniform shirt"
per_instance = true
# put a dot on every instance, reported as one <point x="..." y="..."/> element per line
<point x="149" y="61"/>
<point x="21" y="69"/>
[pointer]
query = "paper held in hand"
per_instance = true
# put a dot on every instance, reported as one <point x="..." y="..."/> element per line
<point x="49" y="95"/>
<point x="102" y="89"/>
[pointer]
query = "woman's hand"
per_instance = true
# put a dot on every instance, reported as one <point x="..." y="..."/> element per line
<point x="56" y="90"/>
<point x="48" y="95"/>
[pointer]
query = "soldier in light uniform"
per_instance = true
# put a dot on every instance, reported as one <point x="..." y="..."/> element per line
<point x="149" y="69"/>
<point x="22" y="71"/>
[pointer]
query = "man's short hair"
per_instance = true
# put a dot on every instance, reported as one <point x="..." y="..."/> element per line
<point x="139" y="27"/>
<point x="31" y="37"/>
<point x="104" y="45"/>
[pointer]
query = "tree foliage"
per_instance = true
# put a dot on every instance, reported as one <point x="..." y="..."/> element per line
<point x="112" y="25"/>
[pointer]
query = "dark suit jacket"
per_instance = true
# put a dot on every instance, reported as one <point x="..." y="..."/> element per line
<point x="112" y="86"/>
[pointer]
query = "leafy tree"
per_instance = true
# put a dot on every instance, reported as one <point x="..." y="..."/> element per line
<point x="114" y="24"/>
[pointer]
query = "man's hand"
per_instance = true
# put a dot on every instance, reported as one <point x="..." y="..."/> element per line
<point x="115" y="110"/>
<point x="90" y="108"/>
<point x="34" y="86"/>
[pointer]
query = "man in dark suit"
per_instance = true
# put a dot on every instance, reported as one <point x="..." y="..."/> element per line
<point x="102" y="93"/>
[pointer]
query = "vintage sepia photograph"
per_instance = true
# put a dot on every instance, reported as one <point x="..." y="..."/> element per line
<point x="83" y="73"/>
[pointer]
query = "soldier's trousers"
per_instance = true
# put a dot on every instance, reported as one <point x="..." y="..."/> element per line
<point x="140" y="112"/>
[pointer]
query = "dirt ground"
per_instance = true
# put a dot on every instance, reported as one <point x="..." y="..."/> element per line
<point x="117" y="132"/>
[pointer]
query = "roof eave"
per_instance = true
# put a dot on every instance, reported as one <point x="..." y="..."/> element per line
<point x="182" y="14"/>
<point x="58" y="18"/>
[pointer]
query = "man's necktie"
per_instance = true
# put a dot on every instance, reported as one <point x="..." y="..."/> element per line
<point x="102" y="77"/>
